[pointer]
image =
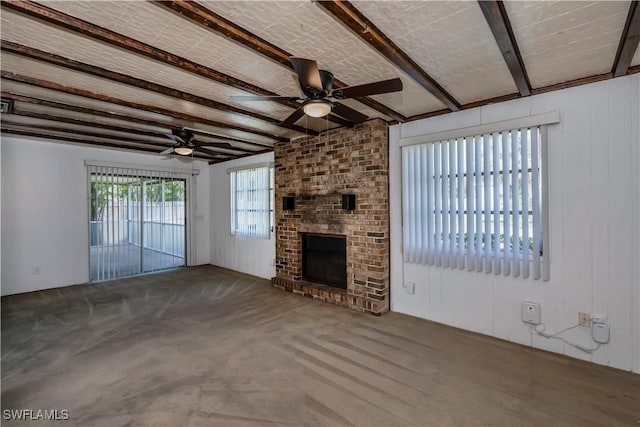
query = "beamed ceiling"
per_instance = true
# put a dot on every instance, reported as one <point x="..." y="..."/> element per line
<point x="123" y="74"/>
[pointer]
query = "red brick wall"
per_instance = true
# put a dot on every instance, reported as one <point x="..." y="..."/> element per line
<point x="317" y="171"/>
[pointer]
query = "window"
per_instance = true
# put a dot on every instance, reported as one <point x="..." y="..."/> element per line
<point x="252" y="202"/>
<point x="477" y="202"/>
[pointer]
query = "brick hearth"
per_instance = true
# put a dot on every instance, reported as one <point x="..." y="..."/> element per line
<point x="316" y="171"/>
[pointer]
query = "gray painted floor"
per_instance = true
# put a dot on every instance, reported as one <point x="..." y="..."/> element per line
<point x="206" y="347"/>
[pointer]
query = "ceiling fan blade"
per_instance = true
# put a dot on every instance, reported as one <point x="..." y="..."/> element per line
<point x="176" y="139"/>
<point x="206" y="151"/>
<point x="216" y="144"/>
<point x="262" y="98"/>
<point x="349" y="113"/>
<point x="168" y="151"/>
<point x="376" y="88"/>
<point x="307" y="71"/>
<point x="293" y="117"/>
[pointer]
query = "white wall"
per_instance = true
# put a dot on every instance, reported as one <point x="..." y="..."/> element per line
<point x="594" y="153"/>
<point x="0" y="217"/>
<point x="247" y="255"/>
<point x="44" y="211"/>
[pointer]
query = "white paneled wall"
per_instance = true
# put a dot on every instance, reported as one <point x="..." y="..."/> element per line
<point x="245" y="254"/>
<point x="44" y="211"/>
<point x="594" y="214"/>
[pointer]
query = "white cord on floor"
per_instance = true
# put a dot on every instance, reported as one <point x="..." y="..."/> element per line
<point x="534" y="328"/>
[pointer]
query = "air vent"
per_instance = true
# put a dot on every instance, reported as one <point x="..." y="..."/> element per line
<point x="6" y="106"/>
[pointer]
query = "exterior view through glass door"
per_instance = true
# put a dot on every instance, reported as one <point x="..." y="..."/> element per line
<point x="137" y="222"/>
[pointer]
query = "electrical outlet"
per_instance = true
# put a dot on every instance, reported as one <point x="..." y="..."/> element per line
<point x="584" y="319"/>
<point x="410" y="287"/>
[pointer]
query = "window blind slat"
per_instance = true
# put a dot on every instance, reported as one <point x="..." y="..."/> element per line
<point x="515" y="230"/>
<point x="453" y="205"/>
<point x="111" y="240"/>
<point x="487" y="143"/>
<point x="496" y="202"/>
<point x="546" y="249"/>
<point x="471" y="206"/>
<point x="424" y="217"/>
<point x="445" y="203"/>
<point x="438" y="196"/>
<point x="525" y="202"/>
<point x="430" y="214"/>
<point x="535" y="198"/>
<point x="419" y="248"/>
<point x="506" y="202"/>
<point x="412" y="201"/>
<point x="478" y="204"/>
<point x="407" y="214"/>
<point x="461" y="201"/>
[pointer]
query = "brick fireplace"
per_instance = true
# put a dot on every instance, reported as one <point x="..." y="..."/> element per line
<point x="316" y="172"/>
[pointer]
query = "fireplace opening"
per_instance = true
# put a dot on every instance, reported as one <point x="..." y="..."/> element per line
<point x="324" y="259"/>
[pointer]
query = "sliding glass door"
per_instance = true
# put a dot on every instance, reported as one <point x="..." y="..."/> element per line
<point x="137" y="222"/>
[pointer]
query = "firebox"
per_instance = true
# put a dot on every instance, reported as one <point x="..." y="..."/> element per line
<point x="324" y="259"/>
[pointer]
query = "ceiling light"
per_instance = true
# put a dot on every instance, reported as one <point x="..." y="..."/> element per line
<point x="183" y="151"/>
<point x="317" y="108"/>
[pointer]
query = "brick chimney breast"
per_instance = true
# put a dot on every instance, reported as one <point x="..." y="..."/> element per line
<point x="317" y="171"/>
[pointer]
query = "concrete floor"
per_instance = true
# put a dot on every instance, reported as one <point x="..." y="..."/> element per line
<point x="116" y="261"/>
<point x="205" y="346"/>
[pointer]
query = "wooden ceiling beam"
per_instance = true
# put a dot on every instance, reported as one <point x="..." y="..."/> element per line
<point x="213" y="162"/>
<point x="346" y="13"/>
<point x="6" y="75"/>
<point x="629" y="41"/>
<point x="60" y="119"/>
<point x="498" y="20"/>
<point x="112" y="38"/>
<point x="71" y="64"/>
<point x="80" y="140"/>
<point x="535" y="91"/>
<point x="127" y="117"/>
<point x="129" y="44"/>
<point x="117" y="138"/>
<point x="475" y="104"/>
<point x="225" y="138"/>
<point x="211" y="20"/>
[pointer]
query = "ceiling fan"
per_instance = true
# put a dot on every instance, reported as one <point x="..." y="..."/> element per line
<point x="184" y="144"/>
<point x="317" y="86"/>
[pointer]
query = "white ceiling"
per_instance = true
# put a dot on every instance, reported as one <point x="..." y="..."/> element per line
<point x="451" y="41"/>
<point x="566" y="40"/>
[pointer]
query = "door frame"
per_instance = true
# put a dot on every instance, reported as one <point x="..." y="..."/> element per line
<point x="190" y="178"/>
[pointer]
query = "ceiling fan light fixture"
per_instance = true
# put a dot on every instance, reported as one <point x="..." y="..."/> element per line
<point x="183" y="151"/>
<point x="317" y="108"/>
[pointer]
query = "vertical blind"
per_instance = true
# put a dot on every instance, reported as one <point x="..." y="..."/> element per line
<point x="137" y="221"/>
<point x="251" y="202"/>
<point x="478" y="203"/>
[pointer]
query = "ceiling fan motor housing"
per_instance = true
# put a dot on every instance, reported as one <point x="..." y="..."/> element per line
<point x="185" y="135"/>
<point x="326" y="77"/>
